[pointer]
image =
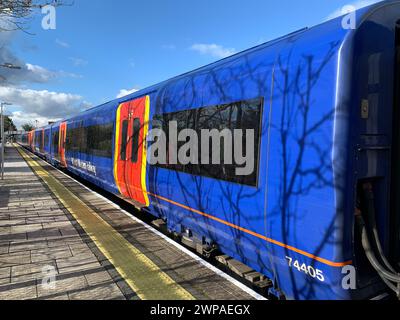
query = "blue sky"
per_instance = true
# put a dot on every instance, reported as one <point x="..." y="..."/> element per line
<point x="102" y="47"/>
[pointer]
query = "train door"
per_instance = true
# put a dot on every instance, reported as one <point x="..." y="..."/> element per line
<point x="61" y="145"/>
<point x="130" y="150"/>
<point x="32" y="140"/>
<point x="42" y="142"/>
<point x="55" y="136"/>
<point x="29" y="142"/>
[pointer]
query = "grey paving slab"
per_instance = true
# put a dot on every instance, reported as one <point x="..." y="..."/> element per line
<point x="14" y="259"/>
<point x="77" y="263"/>
<point x="65" y="240"/>
<point x="5" y="275"/>
<point x="43" y="234"/>
<point x="4" y="247"/>
<point x="26" y="228"/>
<point x="8" y="236"/>
<point x="20" y="291"/>
<point x="59" y="297"/>
<point x="12" y="222"/>
<point x="61" y="286"/>
<point x="98" y="277"/>
<point x="104" y="292"/>
<point x="53" y="254"/>
<point x="35" y="237"/>
<point x="32" y="271"/>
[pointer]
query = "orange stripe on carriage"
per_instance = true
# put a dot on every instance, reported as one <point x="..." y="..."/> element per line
<point x="280" y="244"/>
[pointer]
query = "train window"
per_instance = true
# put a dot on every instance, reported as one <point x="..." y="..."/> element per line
<point x="93" y="140"/>
<point x="124" y="139"/>
<point x="41" y="143"/>
<point x="46" y="138"/>
<point x="76" y="138"/>
<point x="238" y="115"/>
<point x="70" y="140"/>
<point x="39" y="139"/>
<point x="135" y="139"/>
<point x="99" y="140"/>
<point x="82" y="138"/>
<point x="56" y="138"/>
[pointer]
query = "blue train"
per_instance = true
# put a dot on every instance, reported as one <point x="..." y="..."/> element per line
<point x="324" y="104"/>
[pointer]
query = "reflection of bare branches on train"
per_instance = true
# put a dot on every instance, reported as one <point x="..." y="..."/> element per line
<point x="259" y="76"/>
<point x="231" y="201"/>
<point x="295" y="128"/>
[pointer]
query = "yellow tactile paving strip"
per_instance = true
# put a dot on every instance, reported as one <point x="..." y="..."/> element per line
<point x="142" y="275"/>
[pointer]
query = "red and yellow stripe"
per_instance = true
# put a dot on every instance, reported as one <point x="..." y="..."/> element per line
<point x="144" y="154"/>
<point x="117" y="146"/>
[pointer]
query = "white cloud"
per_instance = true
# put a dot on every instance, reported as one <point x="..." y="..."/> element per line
<point x="125" y="92"/>
<point x="69" y="75"/>
<point x="357" y="5"/>
<point x="78" y="62"/>
<point x="214" y="50"/>
<point x="20" y="118"/>
<point x="44" y="103"/>
<point x="29" y="73"/>
<point x="43" y="106"/>
<point x="62" y="43"/>
<point x="39" y="74"/>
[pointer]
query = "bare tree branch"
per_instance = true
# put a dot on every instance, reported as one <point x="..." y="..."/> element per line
<point x="15" y="14"/>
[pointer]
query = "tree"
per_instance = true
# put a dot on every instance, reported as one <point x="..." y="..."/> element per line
<point x="14" y="14"/>
<point x="28" y="127"/>
<point x="9" y="124"/>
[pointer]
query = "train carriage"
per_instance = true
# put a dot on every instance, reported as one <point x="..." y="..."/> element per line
<point x="89" y="146"/>
<point x="47" y="143"/>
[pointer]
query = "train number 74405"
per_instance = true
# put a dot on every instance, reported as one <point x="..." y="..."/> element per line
<point x="308" y="270"/>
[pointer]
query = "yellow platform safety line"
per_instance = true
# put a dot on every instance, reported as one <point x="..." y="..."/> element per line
<point x="143" y="276"/>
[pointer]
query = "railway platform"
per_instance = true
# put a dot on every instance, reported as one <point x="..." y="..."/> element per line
<point x="61" y="240"/>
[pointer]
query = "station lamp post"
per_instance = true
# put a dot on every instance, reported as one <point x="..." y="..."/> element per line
<point x="2" y="137"/>
<point x="10" y="66"/>
<point x="14" y="67"/>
